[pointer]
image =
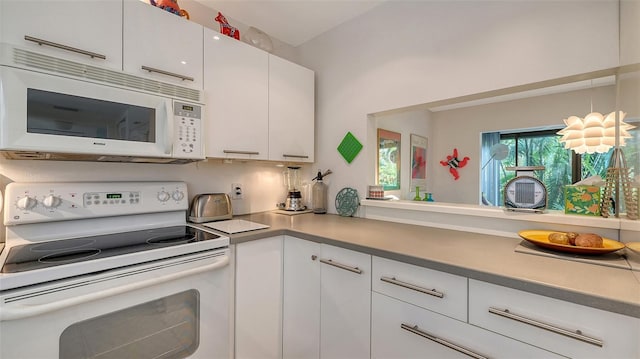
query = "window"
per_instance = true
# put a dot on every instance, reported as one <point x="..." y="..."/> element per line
<point x="537" y="148"/>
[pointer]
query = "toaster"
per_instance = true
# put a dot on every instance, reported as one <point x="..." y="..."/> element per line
<point x="208" y="207"/>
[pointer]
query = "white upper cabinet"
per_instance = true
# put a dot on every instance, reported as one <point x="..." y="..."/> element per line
<point x="161" y="45"/>
<point x="291" y="111"/>
<point x="89" y="32"/>
<point x="236" y="85"/>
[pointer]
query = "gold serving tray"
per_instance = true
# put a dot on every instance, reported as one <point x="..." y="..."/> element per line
<point x="541" y="238"/>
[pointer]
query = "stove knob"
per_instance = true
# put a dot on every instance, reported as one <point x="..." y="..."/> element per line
<point x="177" y="195"/>
<point x="51" y="201"/>
<point x="163" y="196"/>
<point x="26" y="203"/>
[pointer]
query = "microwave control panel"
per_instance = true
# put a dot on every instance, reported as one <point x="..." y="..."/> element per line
<point x="187" y="122"/>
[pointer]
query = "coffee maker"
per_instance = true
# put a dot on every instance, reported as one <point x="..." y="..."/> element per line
<point x="293" y="183"/>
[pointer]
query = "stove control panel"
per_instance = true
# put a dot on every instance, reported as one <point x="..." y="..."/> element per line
<point x="46" y="202"/>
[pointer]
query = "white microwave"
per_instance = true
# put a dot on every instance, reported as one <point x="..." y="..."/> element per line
<point x="61" y="110"/>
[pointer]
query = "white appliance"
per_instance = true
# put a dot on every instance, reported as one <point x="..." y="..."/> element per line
<point x="59" y="109"/>
<point x="111" y="270"/>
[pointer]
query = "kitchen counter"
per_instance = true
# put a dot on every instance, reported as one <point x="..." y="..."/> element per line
<point x="489" y="258"/>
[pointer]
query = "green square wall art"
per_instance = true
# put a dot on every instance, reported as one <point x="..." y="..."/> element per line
<point x="349" y="147"/>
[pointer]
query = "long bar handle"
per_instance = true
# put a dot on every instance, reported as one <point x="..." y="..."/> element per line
<point x="400" y="283"/>
<point x="294" y="156"/>
<point x="577" y="334"/>
<point x="64" y="47"/>
<point x="415" y="330"/>
<point x="16" y="311"/>
<point x="341" y="266"/>
<point x="163" y="72"/>
<point x="241" y="152"/>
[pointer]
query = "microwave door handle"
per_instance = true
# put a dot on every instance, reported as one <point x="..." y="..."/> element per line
<point x="17" y="311"/>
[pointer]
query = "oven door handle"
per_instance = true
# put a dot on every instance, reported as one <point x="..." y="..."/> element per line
<point x="19" y="311"/>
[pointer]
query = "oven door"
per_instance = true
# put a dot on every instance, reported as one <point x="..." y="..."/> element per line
<point x="47" y="113"/>
<point x="174" y="308"/>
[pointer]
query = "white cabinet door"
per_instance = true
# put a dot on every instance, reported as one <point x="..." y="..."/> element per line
<point x="291" y="111"/>
<point x="570" y="329"/>
<point x="81" y="26"/>
<point x="345" y="303"/>
<point x="431" y="289"/>
<point x="258" y="303"/>
<point x="402" y="330"/>
<point x="236" y="85"/>
<point x="301" y="307"/>
<point x="168" y="46"/>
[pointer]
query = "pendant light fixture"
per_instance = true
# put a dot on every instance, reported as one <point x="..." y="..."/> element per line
<point x="595" y="133"/>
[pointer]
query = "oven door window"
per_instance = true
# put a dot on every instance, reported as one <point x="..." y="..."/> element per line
<point x="164" y="328"/>
<point x="59" y="114"/>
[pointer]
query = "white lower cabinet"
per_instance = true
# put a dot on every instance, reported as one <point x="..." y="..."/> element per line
<point x="345" y="303"/>
<point x="298" y="299"/>
<point x="301" y="299"/>
<point x="403" y="330"/>
<point x="563" y="327"/>
<point x="327" y="301"/>
<point x="258" y="304"/>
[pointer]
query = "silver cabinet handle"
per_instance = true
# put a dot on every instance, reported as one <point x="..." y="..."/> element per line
<point x="577" y="334"/>
<point x="415" y="330"/>
<point x="399" y="283"/>
<point x="341" y="266"/>
<point x="64" y="47"/>
<point x="295" y="156"/>
<point x="163" y="72"/>
<point x="241" y="152"/>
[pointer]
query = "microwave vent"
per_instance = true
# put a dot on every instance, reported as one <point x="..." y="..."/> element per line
<point x="53" y="156"/>
<point x="94" y="73"/>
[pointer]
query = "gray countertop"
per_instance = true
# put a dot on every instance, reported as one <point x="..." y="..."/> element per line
<point x="479" y="256"/>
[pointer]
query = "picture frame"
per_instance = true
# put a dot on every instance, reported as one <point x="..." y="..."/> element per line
<point x="418" y="170"/>
<point x="388" y="159"/>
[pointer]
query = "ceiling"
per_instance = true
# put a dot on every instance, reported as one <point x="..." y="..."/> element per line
<point x="292" y="21"/>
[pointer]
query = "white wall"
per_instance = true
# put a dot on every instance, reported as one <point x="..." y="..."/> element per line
<point x="405" y="53"/>
<point x="629" y="32"/>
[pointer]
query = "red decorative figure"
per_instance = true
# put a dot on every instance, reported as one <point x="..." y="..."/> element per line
<point x="454" y="163"/>
<point x="227" y="29"/>
<point x="170" y="6"/>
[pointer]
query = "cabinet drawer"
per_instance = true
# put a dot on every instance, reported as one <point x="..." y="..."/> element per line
<point x="434" y="290"/>
<point x="402" y="330"/>
<point x="559" y="326"/>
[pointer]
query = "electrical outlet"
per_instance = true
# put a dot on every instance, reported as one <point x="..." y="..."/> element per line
<point x="236" y="191"/>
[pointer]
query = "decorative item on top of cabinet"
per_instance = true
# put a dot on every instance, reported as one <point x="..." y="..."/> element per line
<point x="227" y="29"/>
<point x="170" y="6"/>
